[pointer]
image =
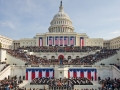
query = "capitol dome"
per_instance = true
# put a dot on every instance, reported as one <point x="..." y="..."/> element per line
<point x="61" y="22"/>
<point x="61" y="14"/>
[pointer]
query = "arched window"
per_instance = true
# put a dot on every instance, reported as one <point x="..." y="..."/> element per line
<point x="69" y="57"/>
<point x="77" y="57"/>
<point x="52" y="57"/>
<point x="44" y="57"/>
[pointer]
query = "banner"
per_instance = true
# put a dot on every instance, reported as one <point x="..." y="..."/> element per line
<point x="81" y="41"/>
<point x="40" y="41"/>
<point x="32" y="73"/>
<point x="87" y="73"/>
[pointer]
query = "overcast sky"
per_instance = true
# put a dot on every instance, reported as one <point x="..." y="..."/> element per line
<point x="25" y="18"/>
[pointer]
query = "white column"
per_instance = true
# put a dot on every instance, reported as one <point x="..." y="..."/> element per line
<point x="69" y="41"/>
<point x="48" y="40"/>
<point x="54" y="40"/>
<point x="59" y="41"/>
<point x="84" y="41"/>
<point x="74" y="41"/>
<point x="63" y="40"/>
<point x="60" y="29"/>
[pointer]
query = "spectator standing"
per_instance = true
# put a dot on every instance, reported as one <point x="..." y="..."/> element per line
<point x="61" y="61"/>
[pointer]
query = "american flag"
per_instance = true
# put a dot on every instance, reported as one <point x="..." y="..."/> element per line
<point x="40" y="41"/>
<point x="65" y="40"/>
<point x="56" y="41"/>
<point x="61" y="41"/>
<point x="81" y="41"/>
<point x="50" y="41"/>
<point x="72" y="41"/>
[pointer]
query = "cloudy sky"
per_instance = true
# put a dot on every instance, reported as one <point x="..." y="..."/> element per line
<point x="25" y="18"/>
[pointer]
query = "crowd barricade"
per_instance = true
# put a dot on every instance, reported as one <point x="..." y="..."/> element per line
<point x="34" y="65"/>
<point x="61" y="88"/>
<point x="37" y="86"/>
<point x="86" y="87"/>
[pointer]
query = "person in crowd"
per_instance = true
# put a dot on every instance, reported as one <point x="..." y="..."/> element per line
<point x="61" y="61"/>
<point x="110" y="84"/>
<point x="11" y="83"/>
<point x="92" y="78"/>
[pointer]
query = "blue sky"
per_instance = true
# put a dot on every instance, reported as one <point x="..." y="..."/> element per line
<point x="25" y="18"/>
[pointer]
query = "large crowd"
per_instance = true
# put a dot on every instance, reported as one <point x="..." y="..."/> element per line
<point x="91" y="59"/>
<point x="10" y="83"/>
<point x="86" y="60"/>
<point x="110" y="84"/>
<point x="60" y="49"/>
<point x="20" y="53"/>
<point x="61" y="83"/>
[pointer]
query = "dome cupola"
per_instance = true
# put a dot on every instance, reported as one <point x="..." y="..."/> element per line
<point x="61" y="22"/>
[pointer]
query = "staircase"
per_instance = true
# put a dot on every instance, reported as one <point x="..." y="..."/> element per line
<point x="1" y="66"/>
<point x="12" y="60"/>
<point x="5" y="73"/>
<point x="116" y="72"/>
<point x="24" y="84"/>
<point x="108" y="61"/>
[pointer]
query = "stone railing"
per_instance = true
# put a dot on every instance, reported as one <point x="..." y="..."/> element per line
<point x="57" y="66"/>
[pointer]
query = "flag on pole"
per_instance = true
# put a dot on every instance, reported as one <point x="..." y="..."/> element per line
<point x="50" y="41"/>
<point x="56" y="41"/>
<point x="65" y="41"/>
<point x="81" y="41"/>
<point x="61" y="41"/>
<point x="71" y="41"/>
<point x="40" y="41"/>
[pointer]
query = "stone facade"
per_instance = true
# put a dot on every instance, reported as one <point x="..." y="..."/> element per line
<point x="6" y="43"/>
<point x="112" y="43"/>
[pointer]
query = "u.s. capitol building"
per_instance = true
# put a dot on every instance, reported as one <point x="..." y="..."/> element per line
<point x="60" y="33"/>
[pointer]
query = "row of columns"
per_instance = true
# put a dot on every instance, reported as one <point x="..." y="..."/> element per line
<point x="53" y="40"/>
<point x="16" y="45"/>
<point x="60" y="29"/>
